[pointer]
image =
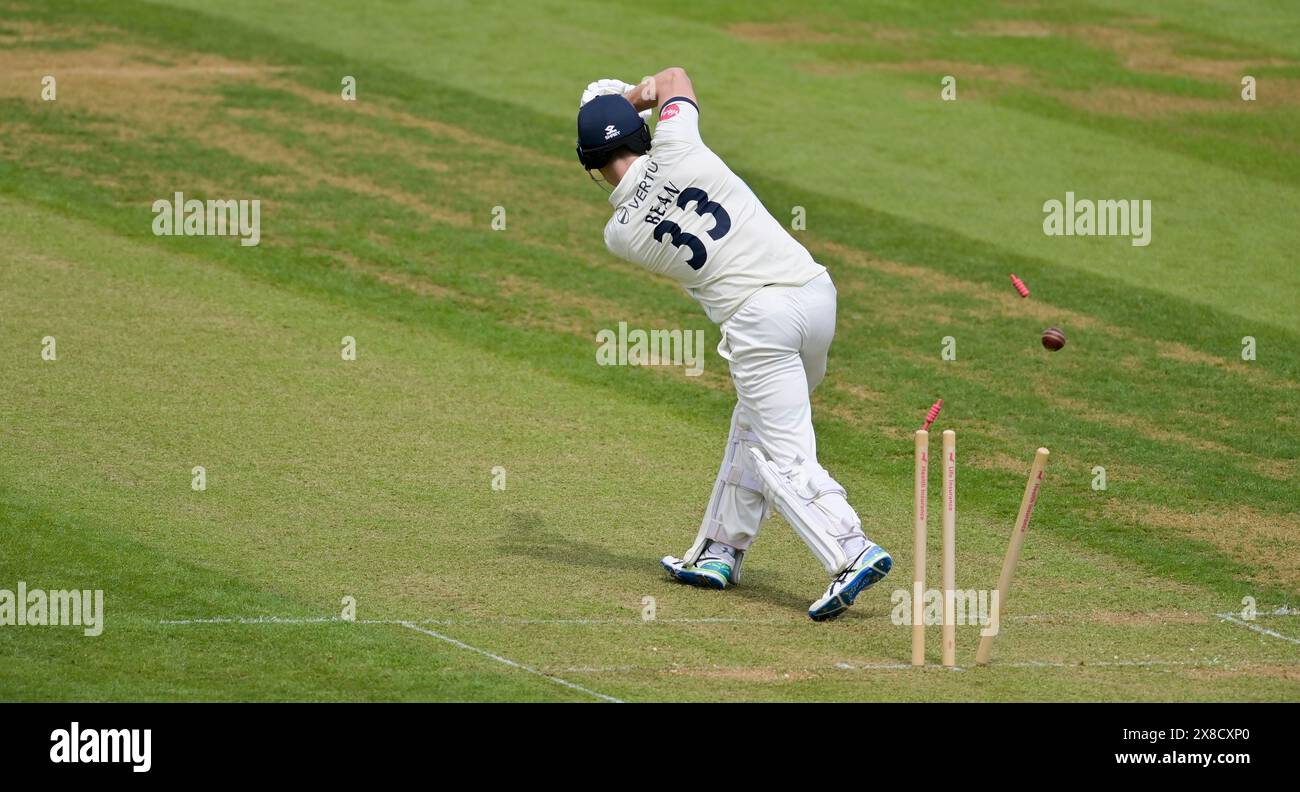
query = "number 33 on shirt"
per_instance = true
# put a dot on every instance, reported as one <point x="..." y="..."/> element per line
<point x="680" y="211"/>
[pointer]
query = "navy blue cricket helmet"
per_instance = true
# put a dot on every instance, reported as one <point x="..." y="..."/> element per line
<point x="606" y="123"/>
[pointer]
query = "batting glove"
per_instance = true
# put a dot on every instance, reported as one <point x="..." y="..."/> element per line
<point x="609" y="86"/>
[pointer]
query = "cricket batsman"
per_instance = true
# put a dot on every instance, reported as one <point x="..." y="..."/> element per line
<point x="681" y="212"/>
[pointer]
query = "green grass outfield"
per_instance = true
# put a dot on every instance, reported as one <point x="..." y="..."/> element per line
<point x="372" y="478"/>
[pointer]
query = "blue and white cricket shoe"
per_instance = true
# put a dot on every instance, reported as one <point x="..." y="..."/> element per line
<point x="709" y="573"/>
<point x="867" y="569"/>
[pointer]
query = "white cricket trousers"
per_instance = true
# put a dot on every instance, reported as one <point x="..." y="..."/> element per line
<point x="776" y="345"/>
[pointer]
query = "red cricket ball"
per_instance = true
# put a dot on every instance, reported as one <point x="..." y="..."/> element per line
<point x="1053" y="338"/>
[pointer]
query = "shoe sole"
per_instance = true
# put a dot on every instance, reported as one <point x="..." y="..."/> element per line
<point x="702" y="579"/>
<point x="868" y="577"/>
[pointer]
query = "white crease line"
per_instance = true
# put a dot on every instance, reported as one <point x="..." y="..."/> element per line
<point x="510" y="620"/>
<point x="509" y="662"/>
<point x="1214" y="661"/>
<point x="1283" y="611"/>
<point x="1174" y="617"/>
<point x="1046" y="664"/>
<point x="1228" y="617"/>
<point x="408" y="624"/>
<point x="412" y="624"/>
<point x="872" y="666"/>
<point x="1207" y="662"/>
<point x="255" y="620"/>
<point x="453" y="622"/>
<point x="698" y="620"/>
<point x="1110" y="663"/>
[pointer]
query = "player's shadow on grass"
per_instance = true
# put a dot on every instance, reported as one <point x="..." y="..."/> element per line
<point x="528" y="536"/>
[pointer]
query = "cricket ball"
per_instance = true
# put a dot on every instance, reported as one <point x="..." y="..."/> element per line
<point x="1053" y="338"/>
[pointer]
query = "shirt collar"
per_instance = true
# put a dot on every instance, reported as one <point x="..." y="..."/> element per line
<point x="629" y="182"/>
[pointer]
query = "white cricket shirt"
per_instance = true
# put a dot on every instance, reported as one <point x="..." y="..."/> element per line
<point x="681" y="212"/>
